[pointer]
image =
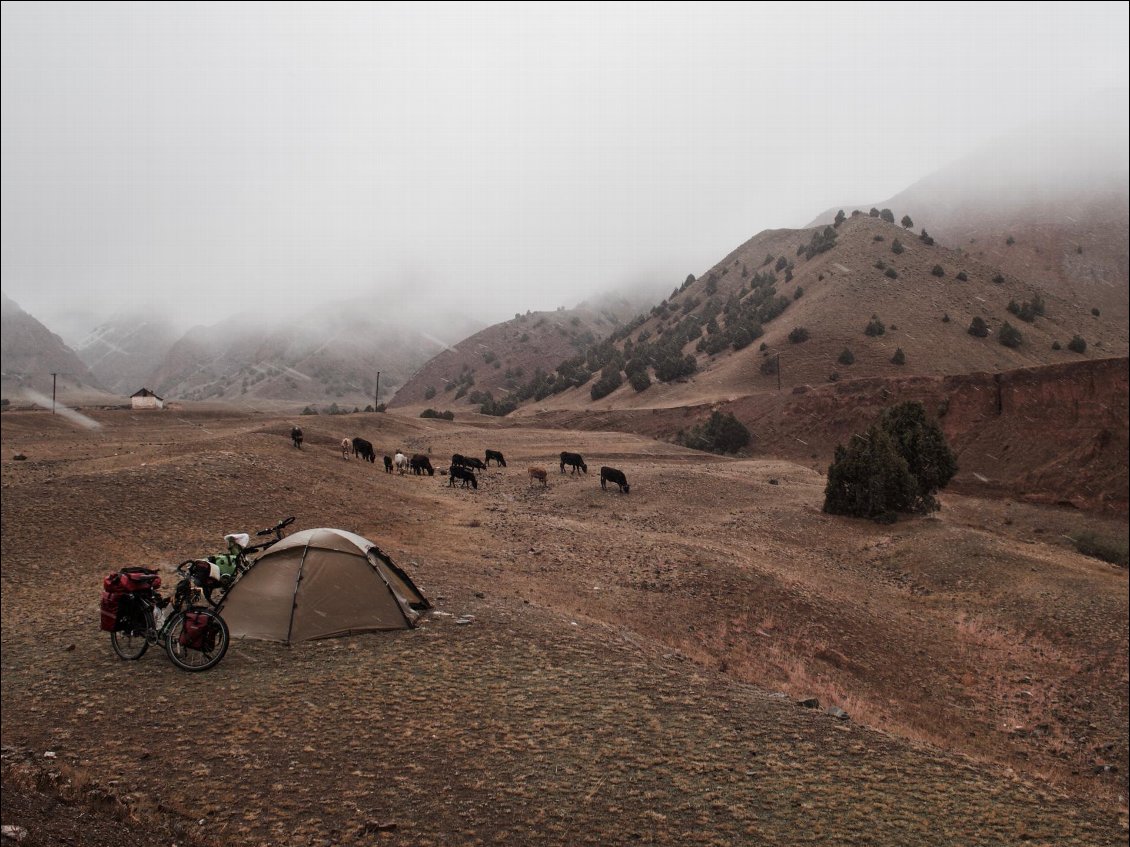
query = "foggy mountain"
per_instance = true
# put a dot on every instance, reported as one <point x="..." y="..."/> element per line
<point x="329" y="356"/>
<point x="122" y="352"/>
<point x="30" y="353"/>
<point x="1049" y="205"/>
<point x="498" y="359"/>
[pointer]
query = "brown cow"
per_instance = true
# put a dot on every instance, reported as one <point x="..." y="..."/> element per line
<point x="537" y="473"/>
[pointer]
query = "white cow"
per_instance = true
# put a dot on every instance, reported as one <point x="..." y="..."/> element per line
<point x="401" y="462"/>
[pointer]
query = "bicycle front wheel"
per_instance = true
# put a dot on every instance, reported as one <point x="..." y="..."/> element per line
<point x="132" y="642"/>
<point x="196" y="646"/>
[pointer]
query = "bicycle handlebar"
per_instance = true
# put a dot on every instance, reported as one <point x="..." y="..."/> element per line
<point x="277" y="528"/>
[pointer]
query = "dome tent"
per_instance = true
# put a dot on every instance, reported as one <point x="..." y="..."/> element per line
<point x="321" y="583"/>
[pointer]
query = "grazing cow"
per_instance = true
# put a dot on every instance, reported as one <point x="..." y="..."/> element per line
<point x="421" y="463"/>
<point x="537" y="473"/>
<point x="461" y="461"/>
<point x="296" y="436"/>
<point x="388" y="464"/>
<point x="574" y="460"/>
<point x="401" y="462"/>
<point x="494" y="455"/>
<point x="464" y="474"/>
<point x="346" y="448"/>
<point x="614" y="476"/>
<point x="364" y="449"/>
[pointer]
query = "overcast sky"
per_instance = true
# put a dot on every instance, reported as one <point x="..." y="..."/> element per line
<point x="215" y="158"/>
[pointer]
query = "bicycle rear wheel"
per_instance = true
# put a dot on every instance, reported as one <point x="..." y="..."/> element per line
<point x="197" y="651"/>
<point x="132" y="642"/>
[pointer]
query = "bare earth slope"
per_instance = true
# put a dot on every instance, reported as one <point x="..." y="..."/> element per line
<point x="629" y="673"/>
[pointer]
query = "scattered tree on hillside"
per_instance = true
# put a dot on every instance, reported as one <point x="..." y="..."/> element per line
<point x="846" y="357"/>
<point x="892" y="273"/>
<point x="1077" y="345"/>
<point x="875" y="327"/>
<point x="897" y="248"/>
<point x="926" y="239"/>
<point x="897" y="466"/>
<point x="1009" y="335"/>
<point x="887" y="215"/>
<point x="899" y="358"/>
<point x="821" y="242"/>
<point x="874" y="213"/>
<point x="840" y="218"/>
<point x="609" y="381"/>
<point x="938" y="271"/>
<point x="798" y="334"/>
<point x="963" y="276"/>
<point x="429" y="392"/>
<point x="907" y="223"/>
<point x="432" y="413"/>
<point x="722" y="433"/>
<point x="1010" y="241"/>
<point x="978" y="328"/>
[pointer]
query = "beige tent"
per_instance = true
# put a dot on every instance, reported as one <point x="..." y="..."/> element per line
<point x="321" y="583"/>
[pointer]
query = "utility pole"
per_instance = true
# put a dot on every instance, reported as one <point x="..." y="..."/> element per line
<point x="53" y="376"/>
<point x="377" y="395"/>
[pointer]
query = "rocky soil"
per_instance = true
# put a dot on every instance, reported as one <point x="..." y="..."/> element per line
<point x="630" y="673"/>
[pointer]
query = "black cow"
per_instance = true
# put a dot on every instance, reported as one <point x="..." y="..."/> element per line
<point x="388" y="464"/>
<point x="495" y="456"/>
<point x="296" y="436"/>
<point x="574" y="460"/>
<point x="364" y="449"/>
<point x="614" y="476"/>
<point x="464" y="474"/>
<point x="421" y="463"/>
<point x="467" y="462"/>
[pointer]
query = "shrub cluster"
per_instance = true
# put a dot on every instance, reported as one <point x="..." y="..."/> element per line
<point x="722" y="433"/>
<point x="1027" y="312"/>
<point x="432" y="413"/>
<point x="1010" y="336"/>
<point x="897" y="466"/>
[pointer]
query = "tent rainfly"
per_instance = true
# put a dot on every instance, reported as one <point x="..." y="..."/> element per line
<point x="321" y="583"/>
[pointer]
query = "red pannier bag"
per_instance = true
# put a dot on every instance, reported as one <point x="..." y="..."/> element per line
<point x="109" y="610"/>
<point x="195" y="628"/>
<point x="122" y="582"/>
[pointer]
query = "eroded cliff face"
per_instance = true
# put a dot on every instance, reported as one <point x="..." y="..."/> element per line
<point x="1051" y="434"/>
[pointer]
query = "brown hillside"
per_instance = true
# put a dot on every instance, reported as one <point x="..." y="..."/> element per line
<point x="630" y="672"/>
<point x="842" y="289"/>
<point x="501" y="357"/>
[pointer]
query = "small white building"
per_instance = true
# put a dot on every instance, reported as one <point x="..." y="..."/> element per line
<point x="146" y="399"/>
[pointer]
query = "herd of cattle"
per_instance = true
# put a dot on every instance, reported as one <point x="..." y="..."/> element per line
<point x="462" y="467"/>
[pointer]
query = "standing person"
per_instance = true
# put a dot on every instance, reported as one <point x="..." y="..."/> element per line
<point x="296" y="436"/>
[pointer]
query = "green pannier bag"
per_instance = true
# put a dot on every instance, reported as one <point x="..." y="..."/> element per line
<point x="227" y="565"/>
